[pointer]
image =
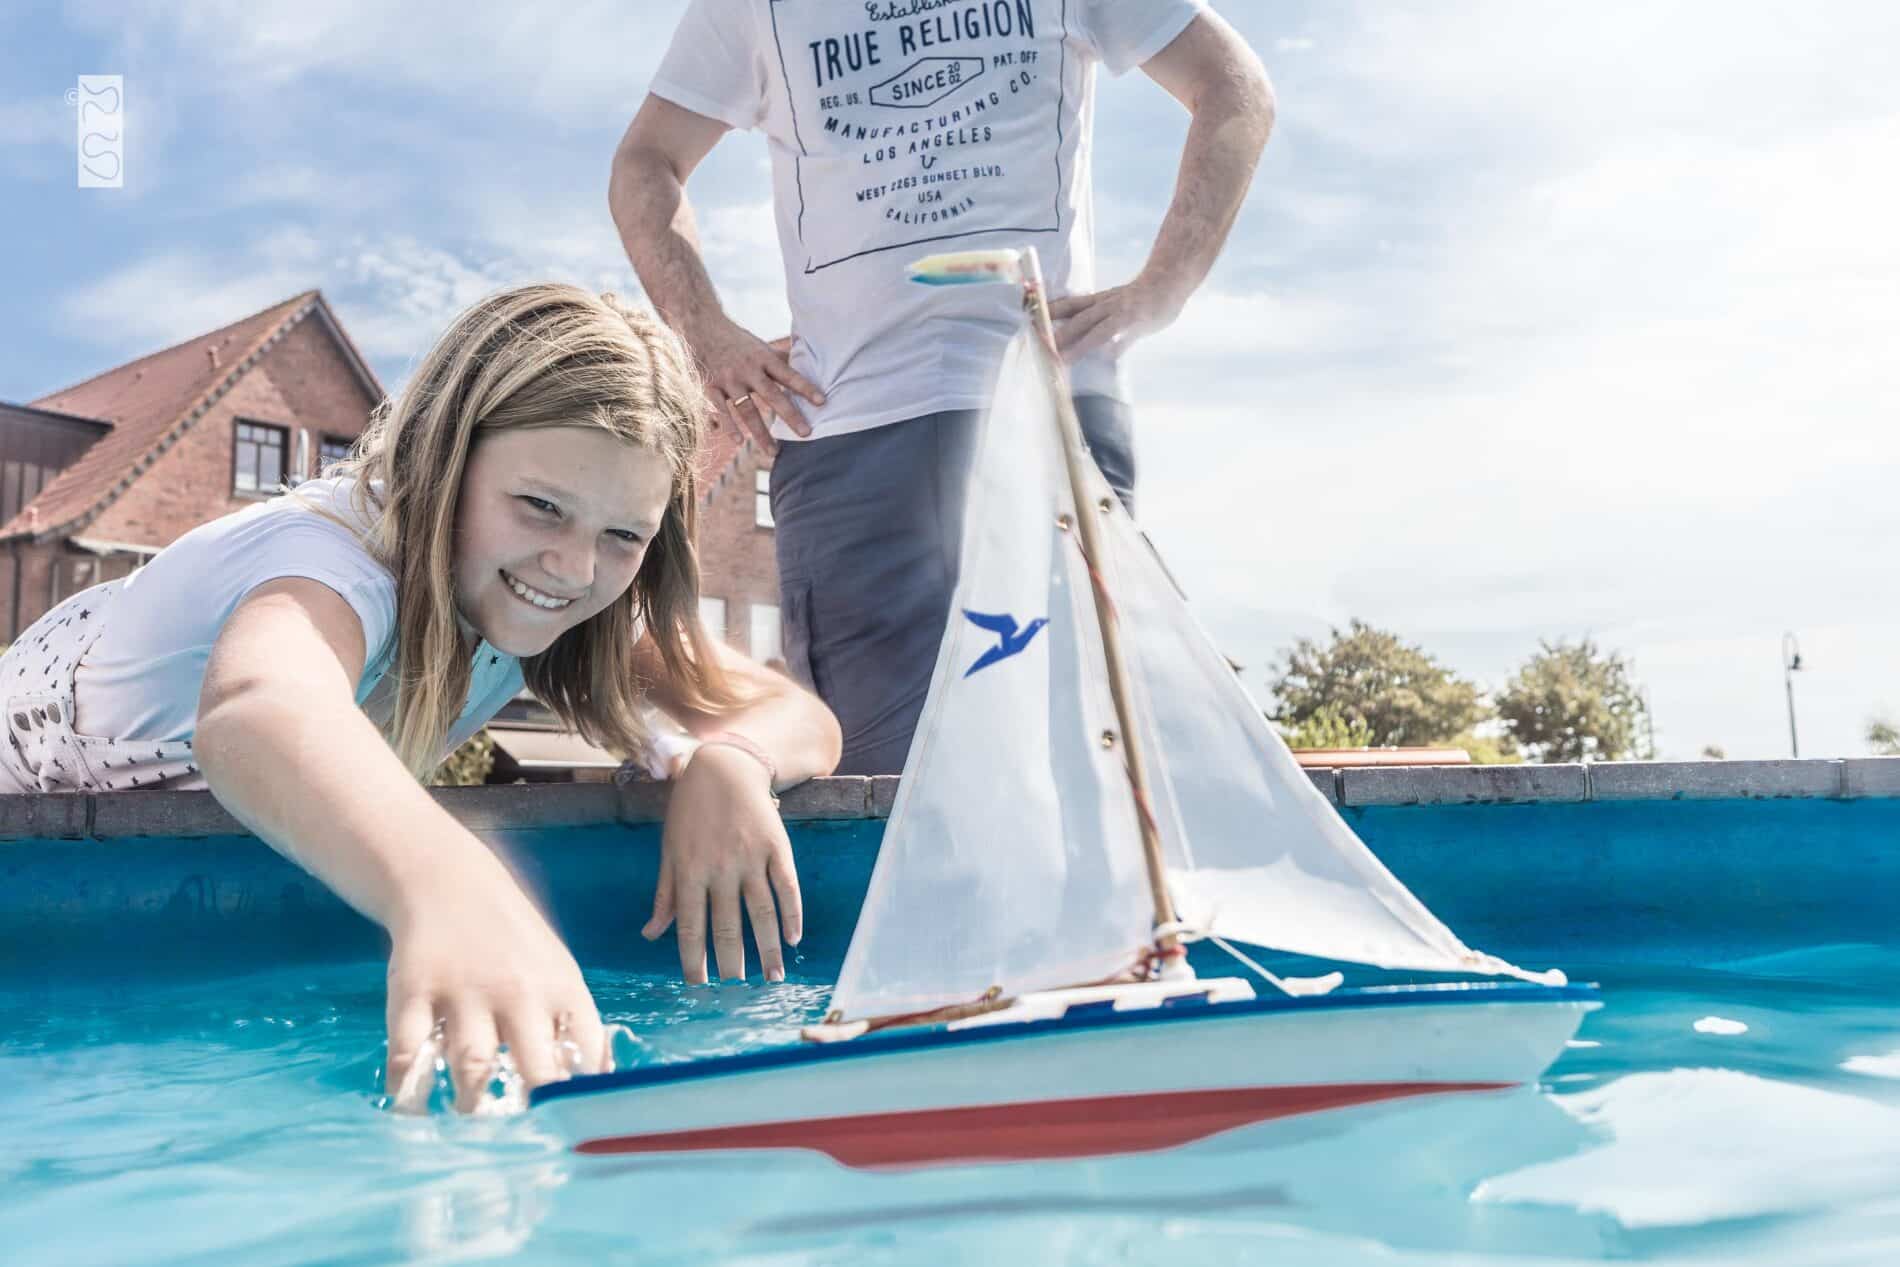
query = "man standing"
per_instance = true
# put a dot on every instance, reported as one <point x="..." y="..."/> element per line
<point x="899" y="128"/>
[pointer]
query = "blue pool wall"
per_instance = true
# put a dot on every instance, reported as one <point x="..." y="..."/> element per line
<point x="1692" y="862"/>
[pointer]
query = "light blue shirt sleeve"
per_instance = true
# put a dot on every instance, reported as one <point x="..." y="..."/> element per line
<point x="142" y="677"/>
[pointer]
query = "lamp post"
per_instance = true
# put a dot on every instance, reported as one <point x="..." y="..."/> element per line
<point x="1790" y="664"/>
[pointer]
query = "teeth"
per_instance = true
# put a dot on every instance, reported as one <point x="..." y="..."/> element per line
<point x="544" y="601"/>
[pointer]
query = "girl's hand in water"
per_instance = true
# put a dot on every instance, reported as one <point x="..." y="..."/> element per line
<point x="724" y="847"/>
<point x="480" y="959"/>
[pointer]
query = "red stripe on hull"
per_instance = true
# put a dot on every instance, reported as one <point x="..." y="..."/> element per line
<point x="1035" y="1131"/>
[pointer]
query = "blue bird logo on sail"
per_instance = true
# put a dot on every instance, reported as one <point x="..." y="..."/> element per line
<point x="1009" y="639"/>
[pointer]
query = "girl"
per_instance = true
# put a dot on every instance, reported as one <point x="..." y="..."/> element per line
<point x="524" y="512"/>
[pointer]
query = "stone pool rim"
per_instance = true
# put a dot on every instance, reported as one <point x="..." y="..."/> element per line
<point x="120" y="815"/>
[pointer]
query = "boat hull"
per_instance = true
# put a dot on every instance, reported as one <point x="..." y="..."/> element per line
<point x="1092" y="1085"/>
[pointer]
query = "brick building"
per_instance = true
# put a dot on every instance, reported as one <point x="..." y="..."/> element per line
<point x="738" y="557"/>
<point x="97" y="478"/>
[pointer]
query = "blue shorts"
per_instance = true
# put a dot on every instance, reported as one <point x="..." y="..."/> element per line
<point x="869" y="526"/>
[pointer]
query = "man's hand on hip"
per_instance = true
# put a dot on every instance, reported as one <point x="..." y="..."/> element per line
<point x="1114" y="317"/>
<point x="750" y="381"/>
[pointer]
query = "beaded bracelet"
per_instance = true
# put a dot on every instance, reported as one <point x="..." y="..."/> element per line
<point x="732" y="739"/>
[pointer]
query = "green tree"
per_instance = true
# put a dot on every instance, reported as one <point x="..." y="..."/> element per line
<point x="1373" y="683"/>
<point x="1327" y="729"/>
<point x="1883" y="736"/>
<point x="1575" y="702"/>
<point x="1487" y="749"/>
<point x="468" y="765"/>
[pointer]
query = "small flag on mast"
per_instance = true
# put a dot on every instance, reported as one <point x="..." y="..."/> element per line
<point x="960" y="268"/>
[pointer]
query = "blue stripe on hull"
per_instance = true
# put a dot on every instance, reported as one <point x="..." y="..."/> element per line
<point x="1486" y="993"/>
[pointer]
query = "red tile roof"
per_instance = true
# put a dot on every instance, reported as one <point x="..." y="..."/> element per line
<point x="149" y="403"/>
<point x="720" y="448"/>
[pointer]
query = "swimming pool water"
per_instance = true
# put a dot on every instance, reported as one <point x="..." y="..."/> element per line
<point x="191" y="1035"/>
<point x="1746" y="1111"/>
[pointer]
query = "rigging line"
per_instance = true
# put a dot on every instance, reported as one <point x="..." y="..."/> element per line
<point x="1228" y="946"/>
<point x="1096" y="579"/>
<point x="1293" y="986"/>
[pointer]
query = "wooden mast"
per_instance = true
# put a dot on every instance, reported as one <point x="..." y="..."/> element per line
<point x="1036" y="301"/>
<point x="1167" y="943"/>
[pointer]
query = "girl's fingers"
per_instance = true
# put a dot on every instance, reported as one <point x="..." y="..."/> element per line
<point x="689" y="915"/>
<point x="589" y="1037"/>
<point x="530" y="1035"/>
<point x="411" y="1068"/>
<point x="1067" y="306"/>
<point x="662" y="904"/>
<point x="728" y="930"/>
<point x="472" y="1043"/>
<point x="791" y="903"/>
<point x="758" y="904"/>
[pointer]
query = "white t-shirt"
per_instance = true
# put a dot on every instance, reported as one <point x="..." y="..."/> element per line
<point x="141" y="678"/>
<point x="901" y="128"/>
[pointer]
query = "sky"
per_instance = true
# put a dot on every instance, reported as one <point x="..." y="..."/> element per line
<point x="1541" y="320"/>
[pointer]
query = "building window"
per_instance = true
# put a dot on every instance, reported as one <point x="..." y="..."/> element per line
<point x="762" y="498"/>
<point x="712" y="614"/>
<point x="765" y="634"/>
<point x="259" y="461"/>
<point x="332" y="449"/>
<point x="73" y="576"/>
<point x="20" y="483"/>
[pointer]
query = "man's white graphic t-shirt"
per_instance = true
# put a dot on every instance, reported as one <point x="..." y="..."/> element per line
<point x="901" y="128"/>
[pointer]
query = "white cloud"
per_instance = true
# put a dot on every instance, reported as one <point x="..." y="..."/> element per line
<point x="31" y="122"/>
<point x="1543" y="373"/>
<point x="402" y="294"/>
<point x="174" y="295"/>
<point x="284" y="182"/>
<point x="1532" y="324"/>
<point x="394" y="294"/>
<point x="587" y="55"/>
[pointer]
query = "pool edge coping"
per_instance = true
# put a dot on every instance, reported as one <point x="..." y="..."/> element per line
<point x="116" y="815"/>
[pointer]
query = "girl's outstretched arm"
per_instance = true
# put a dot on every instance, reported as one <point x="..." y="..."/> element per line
<point x="724" y="845"/>
<point x="286" y="749"/>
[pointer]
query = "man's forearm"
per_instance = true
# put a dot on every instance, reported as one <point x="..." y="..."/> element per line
<point x="649" y="205"/>
<point x="1224" y="141"/>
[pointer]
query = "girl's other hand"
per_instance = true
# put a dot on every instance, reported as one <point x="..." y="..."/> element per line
<point x="724" y="847"/>
<point x="484" y="962"/>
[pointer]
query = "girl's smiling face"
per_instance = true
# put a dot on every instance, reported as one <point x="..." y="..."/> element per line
<point x="551" y="527"/>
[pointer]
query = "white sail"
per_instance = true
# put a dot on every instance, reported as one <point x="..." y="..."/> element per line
<point x="1255" y="852"/>
<point x="1012" y="857"/>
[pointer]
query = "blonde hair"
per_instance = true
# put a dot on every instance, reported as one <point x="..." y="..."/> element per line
<point x="544" y="355"/>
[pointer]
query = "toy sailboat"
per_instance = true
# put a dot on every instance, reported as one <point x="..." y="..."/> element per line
<point x="1090" y="787"/>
